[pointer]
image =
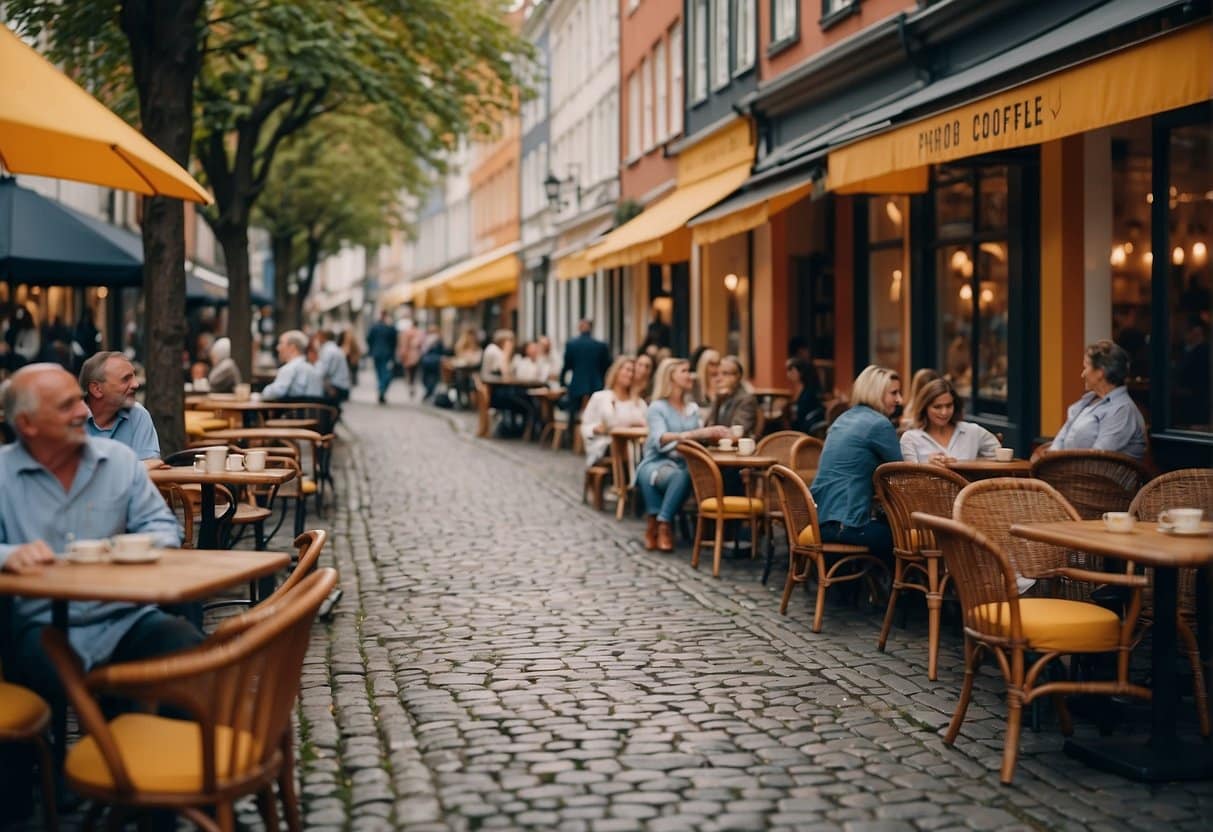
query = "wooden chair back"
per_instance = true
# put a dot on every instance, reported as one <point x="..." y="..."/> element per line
<point x="310" y="544"/>
<point x="705" y="473"/>
<point x="1092" y="481"/>
<point x="780" y="445"/>
<point x="180" y="504"/>
<point x="807" y="453"/>
<point x="907" y="487"/>
<point x="240" y="691"/>
<point x="795" y="503"/>
<point x="1186" y="488"/>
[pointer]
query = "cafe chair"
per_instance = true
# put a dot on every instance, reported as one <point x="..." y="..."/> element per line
<point x="904" y="488"/>
<point x="810" y="558"/>
<point x="1092" y="481"/>
<point x="713" y="506"/>
<point x="294" y="492"/>
<point x="779" y="445"/>
<point x="594" y="486"/>
<point x="1188" y="488"/>
<point x="238" y="694"/>
<point x="484" y="408"/>
<point x="1025" y="635"/>
<point x="24" y="717"/>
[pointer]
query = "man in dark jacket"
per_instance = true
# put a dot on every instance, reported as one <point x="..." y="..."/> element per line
<point x="587" y="359"/>
<point x="381" y="344"/>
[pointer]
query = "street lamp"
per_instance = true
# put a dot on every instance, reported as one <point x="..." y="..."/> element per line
<point x="553" y="188"/>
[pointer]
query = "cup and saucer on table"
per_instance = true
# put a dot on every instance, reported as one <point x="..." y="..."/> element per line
<point x="725" y="444"/>
<point x="121" y="548"/>
<point x="1184" y="522"/>
<point x="1119" y="522"/>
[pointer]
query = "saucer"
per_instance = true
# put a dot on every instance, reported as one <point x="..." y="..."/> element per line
<point x="79" y="557"/>
<point x="149" y="556"/>
<point x="1204" y="529"/>
<point x="730" y="450"/>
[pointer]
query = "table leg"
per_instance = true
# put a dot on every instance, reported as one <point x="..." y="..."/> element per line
<point x="1165" y="756"/>
<point x="208" y="527"/>
<point x="59" y="705"/>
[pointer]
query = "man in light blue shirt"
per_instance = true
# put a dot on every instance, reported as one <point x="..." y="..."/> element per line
<point x="58" y="484"/>
<point x="109" y="385"/>
<point x="1105" y="418"/>
<point x="296" y="379"/>
<point x="331" y="363"/>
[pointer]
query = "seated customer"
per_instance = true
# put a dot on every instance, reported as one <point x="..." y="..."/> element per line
<point x="938" y="434"/>
<point x="224" y="374"/>
<point x="332" y="366"/>
<point x="109" y="385"/>
<point x="732" y="404"/>
<point x="297" y="379"/>
<point x="616" y="406"/>
<point x="662" y="474"/>
<point x="806" y="411"/>
<point x="1105" y="418"/>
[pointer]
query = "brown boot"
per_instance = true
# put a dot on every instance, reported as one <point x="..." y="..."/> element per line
<point x="665" y="537"/>
<point x="650" y="533"/>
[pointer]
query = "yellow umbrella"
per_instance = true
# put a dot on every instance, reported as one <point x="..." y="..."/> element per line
<point x="49" y="126"/>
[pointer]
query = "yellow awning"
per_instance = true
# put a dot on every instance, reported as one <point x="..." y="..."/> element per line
<point x="749" y="213"/>
<point x="471" y="281"/>
<point x="574" y="266"/>
<point x="659" y="233"/>
<point x="49" y="126"/>
<point x="1165" y="73"/>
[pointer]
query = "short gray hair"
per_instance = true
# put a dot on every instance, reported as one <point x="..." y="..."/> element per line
<point x="296" y="339"/>
<point x="93" y="370"/>
<point x="18" y="399"/>
<point x="1112" y="359"/>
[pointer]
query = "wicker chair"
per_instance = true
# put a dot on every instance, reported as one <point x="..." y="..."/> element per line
<point x="1092" y="481"/>
<point x="713" y="506"/>
<point x="24" y="717"/>
<point x="1193" y="488"/>
<point x="997" y="620"/>
<point x="807" y="454"/>
<point x="829" y="563"/>
<point x="904" y="488"/>
<point x="239" y="693"/>
<point x="779" y="445"/>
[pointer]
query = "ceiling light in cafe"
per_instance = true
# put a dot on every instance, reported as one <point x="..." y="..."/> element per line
<point x="966" y="292"/>
<point x="1200" y="253"/>
<point x="894" y="212"/>
<point x="1148" y="258"/>
<point x="1119" y="255"/>
<point x="730" y="282"/>
<point x="1177" y="256"/>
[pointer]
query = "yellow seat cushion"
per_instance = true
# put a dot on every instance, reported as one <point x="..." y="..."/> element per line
<point x="806" y="537"/>
<point x="309" y="485"/>
<point x="734" y="505"/>
<point x="160" y="754"/>
<point x="1056" y="624"/>
<point x="20" y="709"/>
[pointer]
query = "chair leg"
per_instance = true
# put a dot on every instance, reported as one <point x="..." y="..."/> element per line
<point x="226" y="817"/>
<point x="50" y="814"/>
<point x="1065" y="722"/>
<point x="698" y="541"/>
<point x="934" y="610"/>
<point x="788" y="585"/>
<point x="819" y="610"/>
<point x="268" y="806"/>
<point x="966" y="692"/>
<point x="1010" y="750"/>
<point x="1199" y="694"/>
<point x="898" y="571"/>
<point x="286" y="787"/>
<point x="770" y="553"/>
<point x="717" y="548"/>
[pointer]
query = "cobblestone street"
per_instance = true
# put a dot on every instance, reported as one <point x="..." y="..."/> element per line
<point x="505" y="657"/>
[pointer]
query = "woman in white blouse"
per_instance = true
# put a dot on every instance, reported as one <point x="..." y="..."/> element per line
<point x="938" y="434"/>
<point x="612" y="407"/>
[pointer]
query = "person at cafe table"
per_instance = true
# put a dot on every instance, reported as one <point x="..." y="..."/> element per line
<point x="732" y="405"/>
<point x="938" y="433"/>
<point x="1105" y="418"/>
<point x="59" y="484"/>
<point x="296" y="378"/>
<point x="109" y="385"/>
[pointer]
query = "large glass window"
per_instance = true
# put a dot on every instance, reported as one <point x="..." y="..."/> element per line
<point x="888" y="284"/>
<point x="1131" y="259"/>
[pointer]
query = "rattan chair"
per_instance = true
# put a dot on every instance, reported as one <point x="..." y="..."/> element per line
<point x="998" y="621"/>
<point x="1191" y="488"/>
<point x="904" y="488"/>
<point x="1092" y="481"/>
<point x="713" y="506"/>
<point x="806" y="456"/>
<point x="779" y="445"/>
<point x="239" y="693"/>
<point x="808" y="556"/>
<point x="24" y="717"/>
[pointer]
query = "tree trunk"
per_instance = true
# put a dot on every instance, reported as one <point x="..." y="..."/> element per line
<point x="309" y="277"/>
<point x="234" y="239"/>
<point x="163" y="38"/>
<point x="285" y="316"/>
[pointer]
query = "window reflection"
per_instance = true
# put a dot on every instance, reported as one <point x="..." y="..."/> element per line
<point x="888" y="281"/>
<point x="1191" y="209"/>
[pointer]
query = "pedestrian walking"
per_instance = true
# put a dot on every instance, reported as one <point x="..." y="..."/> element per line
<point x="381" y="344"/>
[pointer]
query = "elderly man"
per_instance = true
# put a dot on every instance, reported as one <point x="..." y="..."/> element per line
<point x="332" y="366"/>
<point x="109" y="385"/>
<point x="296" y="379"/>
<point x="59" y="484"/>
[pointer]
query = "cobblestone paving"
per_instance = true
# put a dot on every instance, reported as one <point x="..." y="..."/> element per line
<point x="504" y="657"/>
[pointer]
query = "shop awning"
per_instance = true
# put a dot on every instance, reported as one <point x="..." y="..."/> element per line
<point x="574" y="266"/>
<point x="751" y="208"/>
<point x="467" y="283"/>
<point x="1164" y="73"/>
<point x="659" y="233"/>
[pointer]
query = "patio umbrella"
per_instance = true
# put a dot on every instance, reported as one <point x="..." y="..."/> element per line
<point x="45" y="243"/>
<point x="49" y="126"/>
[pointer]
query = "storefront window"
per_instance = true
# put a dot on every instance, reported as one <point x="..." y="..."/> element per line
<point x="1131" y="259"/>
<point x="888" y="275"/>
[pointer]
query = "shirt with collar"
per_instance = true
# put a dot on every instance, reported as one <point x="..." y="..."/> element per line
<point x="858" y="441"/>
<point x="1111" y="423"/>
<point x="296" y="379"/>
<point x="334" y="370"/>
<point x="969" y="441"/>
<point x="110" y="494"/>
<point x="132" y="426"/>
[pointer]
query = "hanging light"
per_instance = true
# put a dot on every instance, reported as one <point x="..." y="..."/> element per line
<point x="966" y="293"/>
<point x="730" y="282"/>
<point x="987" y="296"/>
<point x="895" y="287"/>
<point x="1148" y="259"/>
<point x="1177" y="255"/>
<point x="894" y="212"/>
<point x="1200" y="253"/>
<point x="1119" y="255"/>
<point x="103" y="292"/>
<point x="1128" y="247"/>
<point x="960" y="257"/>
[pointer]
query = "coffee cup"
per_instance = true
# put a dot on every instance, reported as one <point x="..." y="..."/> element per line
<point x="746" y="446"/>
<point x="200" y="462"/>
<point x="726" y="443"/>
<point x="235" y="462"/>
<point x="1004" y="454"/>
<point x="88" y="551"/>
<point x="243" y="391"/>
<point x="738" y="431"/>
<point x="1181" y="519"/>
<point x="254" y="460"/>
<point x="215" y="460"/>
<point x="1120" y="522"/>
<point x="132" y="544"/>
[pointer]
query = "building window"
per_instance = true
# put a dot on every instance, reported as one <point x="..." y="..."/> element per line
<point x="699" y="51"/>
<point x="747" y="36"/>
<point x="676" y="79"/>
<point x="785" y="23"/>
<point x="720" y="43"/>
<point x="646" y="104"/>
<point x="833" y="11"/>
<point x="634" y="115"/>
<point x="660" y="98"/>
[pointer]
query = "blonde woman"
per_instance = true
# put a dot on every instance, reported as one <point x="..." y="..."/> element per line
<point x="858" y="441"/>
<point x="706" y="369"/>
<point x="616" y="405"/>
<point x="642" y="377"/>
<point x="938" y="434"/>
<point x="662" y="474"/>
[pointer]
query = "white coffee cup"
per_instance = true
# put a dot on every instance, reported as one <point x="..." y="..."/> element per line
<point x="215" y="460"/>
<point x="88" y="551"/>
<point x="726" y="443"/>
<point x="1120" y="522"/>
<point x="254" y="460"/>
<point x="746" y="446"/>
<point x="1181" y="519"/>
<point x="1004" y="454"/>
<point x="132" y="544"/>
<point x="738" y="431"/>
<point x="243" y="391"/>
<point x="235" y="462"/>
<point x="200" y="462"/>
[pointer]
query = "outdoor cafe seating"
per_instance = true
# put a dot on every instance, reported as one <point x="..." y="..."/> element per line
<point x="715" y="507"/>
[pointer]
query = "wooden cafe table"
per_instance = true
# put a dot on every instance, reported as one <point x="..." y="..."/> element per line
<point x="1165" y="756"/>
<point x="624" y="441"/>
<point x="179" y="576"/>
<point x="208" y="528"/>
<point x="983" y="469"/>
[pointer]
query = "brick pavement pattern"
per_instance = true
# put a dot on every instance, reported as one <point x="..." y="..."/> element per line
<point x="504" y="657"/>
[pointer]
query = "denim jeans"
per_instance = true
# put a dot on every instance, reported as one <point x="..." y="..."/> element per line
<point x="875" y="534"/>
<point x="383" y="371"/>
<point x="665" y="494"/>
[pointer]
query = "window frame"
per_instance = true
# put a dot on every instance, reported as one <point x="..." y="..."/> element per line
<point x="777" y="44"/>
<point x="738" y="69"/>
<point x="675" y="40"/>
<point x="697" y="52"/>
<point x="719" y="79"/>
<point x="831" y="17"/>
<point x="661" y="92"/>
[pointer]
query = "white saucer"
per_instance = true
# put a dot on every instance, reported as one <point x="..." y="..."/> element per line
<point x="730" y="450"/>
<point x="150" y="556"/>
<point x="1203" y="530"/>
<point x="75" y="557"/>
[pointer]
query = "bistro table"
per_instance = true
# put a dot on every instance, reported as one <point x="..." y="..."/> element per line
<point x="624" y="442"/>
<point x="321" y="447"/>
<point x="546" y="397"/>
<point x="179" y="576"/>
<point x="208" y="528"/>
<point x="1165" y="756"/>
<point x="492" y="383"/>
<point x="983" y="469"/>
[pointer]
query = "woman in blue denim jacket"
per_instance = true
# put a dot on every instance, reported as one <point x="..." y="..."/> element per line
<point x="662" y="474"/>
